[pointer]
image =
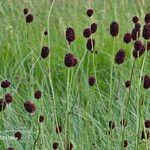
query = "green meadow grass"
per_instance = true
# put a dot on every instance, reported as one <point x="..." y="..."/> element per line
<point x="66" y="90"/>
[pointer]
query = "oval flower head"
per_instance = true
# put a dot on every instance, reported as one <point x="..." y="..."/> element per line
<point x="70" y="35"/>
<point x="29" y="107"/>
<point x="114" y="28"/>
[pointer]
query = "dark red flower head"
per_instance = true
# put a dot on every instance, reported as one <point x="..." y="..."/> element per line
<point x="147" y="124"/>
<point x="29" y="106"/>
<point x="125" y="143"/>
<point x="147" y="18"/>
<point x="93" y="27"/>
<point x="8" y="98"/>
<point x="29" y="18"/>
<point x="135" y="34"/>
<point x="138" y="45"/>
<point x="146" y="81"/>
<point x="70" y="60"/>
<point x="112" y="124"/>
<point x="146" y="31"/>
<point x="92" y="81"/>
<point x="58" y="129"/>
<point x="45" y="52"/>
<point x="138" y="53"/>
<point x="2" y="104"/>
<point x="70" y="35"/>
<point x="37" y="94"/>
<point x="127" y="38"/>
<point x="90" y="44"/>
<point x="120" y="56"/>
<point x="87" y="32"/>
<point x="5" y="84"/>
<point x="18" y="135"/>
<point x="127" y="83"/>
<point x="41" y="118"/>
<point x="55" y="145"/>
<point x="89" y="12"/>
<point x="135" y="19"/>
<point x="25" y="11"/>
<point x="114" y="28"/>
<point x="137" y="26"/>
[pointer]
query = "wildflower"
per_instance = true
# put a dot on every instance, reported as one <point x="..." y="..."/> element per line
<point x="25" y="11"/>
<point x="70" y="35"/>
<point x="5" y="84"/>
<point x="55" y="145"/>
<point x="146" y="81"/>
<point x="89" y="12"/>
<point x="93" y="27"/>
<point x="87" y="32"/>
<point x="18" y="135"/>
<point x="29" y="106"/>
<point x="138" y="45"/>
<point x="29" y="18"/>
<point x="127" y="83"/>
<point x="147" y="18"/>
<point x="90" y="44"/>
<point x="45" y="52"/>
<point x="92" y="80"/>
<point x="8" y="98"/>
<point x="146" y="31"/>
<point x="147" y="124"/>
<point x="135" y="19"/>
<point x="114" y="28"/>
<point x="120" y="56"/>
<point x="138" y="53"/>
<point x="137" y="26"/>
<point x="2" y="105"/>
<point x="135" y="34"/>
<point x="127" y="38"/>
<point x="41" y="118"/>
<point x="37" y="94"/>
<point x="70" y="60"/>
<point x="112" y="124"/>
